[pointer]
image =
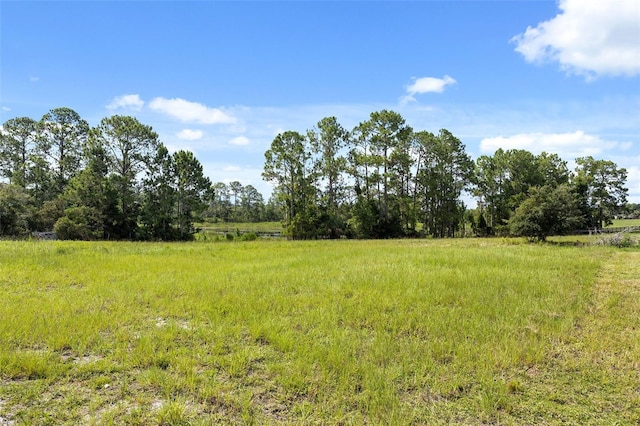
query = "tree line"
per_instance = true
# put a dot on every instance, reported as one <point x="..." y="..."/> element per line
<point x="381" y="179"/>
<point x="113" y="181"/>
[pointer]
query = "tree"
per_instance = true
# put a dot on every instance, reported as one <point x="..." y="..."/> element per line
<point x="235" y="188"/>
<point x="15" y="211"/>
<point x="90" y="192"/>
<point x="547" y="211"/>
<point x="446" y="172"/>
<point x="62" y="137"/>
<point x="220" y="205"/>
<point x="600" y="186"/>
<point x="288" y="165"/>
<point x="377" y="139"/>
<point x="193" y="191"/>
<point x="18" y="138"/>
<point x="327" y="142"/>
<point x="491" y="188"/>
<point x="252" y="204"/>
<point x="157" y="213"/>
<point x="129" y="146"/>
<point x="503" y="181"/>
<point x="552" y="169"/>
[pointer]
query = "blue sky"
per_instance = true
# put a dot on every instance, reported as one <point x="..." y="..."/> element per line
<point x="223" y="78"/>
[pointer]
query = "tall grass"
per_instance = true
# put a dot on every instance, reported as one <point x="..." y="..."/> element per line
<point x="395" y="332"/>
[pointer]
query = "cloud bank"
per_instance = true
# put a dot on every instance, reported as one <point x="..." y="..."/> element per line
<point x="588" y="37"/>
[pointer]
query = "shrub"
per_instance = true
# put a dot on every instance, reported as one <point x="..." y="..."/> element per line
<point x="620" y="240"/>
<point x="248" y="236"/>
<point x="79" y="223"/>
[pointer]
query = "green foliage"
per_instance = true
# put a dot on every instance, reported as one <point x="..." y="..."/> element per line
<point x="62" y="137"/>
<point x="248" y="236"/>
<point x="288" y="165"/>
<point x="79" y="223"/>
<point x="445" y="172"/>
<point x="599" y="184"/>
<point x="504" y="181"/>
<point x="380" y="180"/>
<point x="547" y="211"/>
<point x="15" y="211"/>
<point x="18" y="138"/>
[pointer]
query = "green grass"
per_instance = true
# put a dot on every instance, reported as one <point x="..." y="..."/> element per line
<point x="323" y="332"/>
<point x="621" y="223"/>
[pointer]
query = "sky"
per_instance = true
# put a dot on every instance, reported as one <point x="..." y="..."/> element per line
<point x="223" y="78"/>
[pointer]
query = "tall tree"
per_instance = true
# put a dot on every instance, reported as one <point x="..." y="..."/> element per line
<point x="252" y="204"/>
<point x="446" y="172"/>
<point x="383" y="134"/>
<point x="157" y="214"/>
<point x="552" y="169"/>
<point x="220" y="205"/>
<point x="387" y="131"/>
<point x="63" y="135"/>
<point x="235" y="188"/>
<point x="193" y="191"/>
<point x="129" y="146"/>
<point x="91" y="193"/>
<point x="522" y="173"/>
<point x="328" y="141"/>
<point x="288" y="165"/>
<point x="18" y="137"/>
<point x="601" y="189"/>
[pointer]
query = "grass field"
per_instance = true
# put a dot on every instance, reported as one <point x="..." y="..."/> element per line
<point x="326" y="332"/>
<point x="620" y="223"/>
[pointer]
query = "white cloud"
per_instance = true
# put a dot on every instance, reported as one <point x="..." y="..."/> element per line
<point x="239" y="141"/>
<point x="34" y="79"/>
<point x="6" y="109"/>
<point x="429" y="84"/>
<point x="426" y="85"/>
<point x="132" y="102"/>
<point x="186" y="111"/>
<point x="189" y="135"/>
<point x="567" y="145"/>
<point x="588" y="37"/>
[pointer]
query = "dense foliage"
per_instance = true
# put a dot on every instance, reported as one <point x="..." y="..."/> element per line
<point x="113" y="181"/>
<point x="382" y="179"/>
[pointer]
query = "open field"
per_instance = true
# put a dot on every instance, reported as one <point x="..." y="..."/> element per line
<point x="468" y="331"/>
<point x="621" y="223"/>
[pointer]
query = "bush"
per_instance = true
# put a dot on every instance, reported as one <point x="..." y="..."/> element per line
<point x="248" y="236"/>
<point x="620" y="240"/>
<point x="79" y="223"/>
